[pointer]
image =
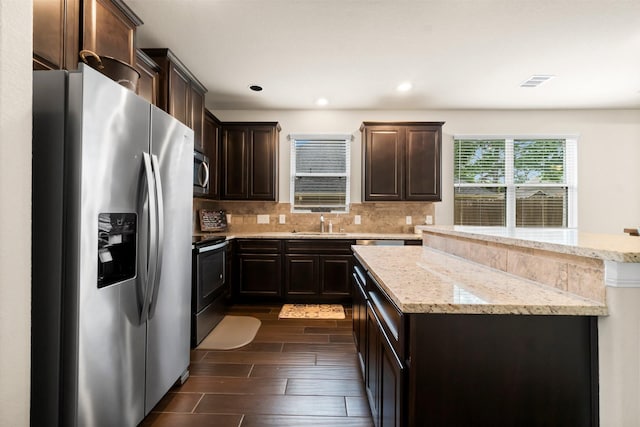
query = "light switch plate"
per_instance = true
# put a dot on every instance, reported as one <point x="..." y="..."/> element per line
<point x="282" y="219"/>
<point x="429" y="220"/>
<point x="263" y="219"/>
<point x="357" y="220"/>
<point x="408" y="219"/>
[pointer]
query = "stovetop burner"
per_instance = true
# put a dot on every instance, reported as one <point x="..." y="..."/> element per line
<point x="200" y="241"/>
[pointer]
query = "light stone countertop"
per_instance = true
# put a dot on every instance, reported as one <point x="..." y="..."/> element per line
<point x="608" y="247"/>
<point x="423" y="280"/>
<point x="314" y="235"/>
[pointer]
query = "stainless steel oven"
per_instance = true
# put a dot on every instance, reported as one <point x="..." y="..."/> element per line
<point x="210" y="287"/>
<point x="200" y="173"/>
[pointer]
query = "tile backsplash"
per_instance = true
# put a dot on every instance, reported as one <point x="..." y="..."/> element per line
<point x="381" y="217"/>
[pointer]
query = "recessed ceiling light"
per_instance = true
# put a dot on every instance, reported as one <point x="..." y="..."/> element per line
<point x="404" y="87"/>
<point x="536" y="80"/>
<point x="255" y="88"/>
<point x="322" y="102"/>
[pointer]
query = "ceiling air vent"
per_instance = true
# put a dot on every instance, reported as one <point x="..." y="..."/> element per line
<point x="536" y="80"/>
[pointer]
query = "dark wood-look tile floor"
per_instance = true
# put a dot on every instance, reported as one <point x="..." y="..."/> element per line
<point x="296" y="372"/>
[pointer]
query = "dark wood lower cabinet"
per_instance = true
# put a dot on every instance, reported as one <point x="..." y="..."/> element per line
<point x="372" y="381"/>
<point x="296" y="271"/>
<point x="384" y="375"/>
<point x="335" y="275"/>
<point x="318" y="271"/>
<point x="359" y="315"/>
<point x="461" y="370"/>
<point x="301" y="272"/>
<point x="257" y="270"/>
<point x="259" y="275"/>
<point x="391" y="379"/>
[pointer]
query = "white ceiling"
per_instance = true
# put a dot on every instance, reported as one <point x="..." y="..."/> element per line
<point x="459" y="54"/>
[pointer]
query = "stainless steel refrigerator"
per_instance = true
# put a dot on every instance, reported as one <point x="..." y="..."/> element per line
<point x="111" y="260"/>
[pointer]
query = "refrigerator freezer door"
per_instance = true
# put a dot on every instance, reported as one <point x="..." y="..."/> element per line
<point x="113" y="134"/>
<point x="169" y="322"/>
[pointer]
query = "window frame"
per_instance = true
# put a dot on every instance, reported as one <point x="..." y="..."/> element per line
<point x="570" y="167"/>
<point x="347" y="139"/>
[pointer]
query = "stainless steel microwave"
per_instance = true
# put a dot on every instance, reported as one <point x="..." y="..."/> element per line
<point x="200" y="173"/>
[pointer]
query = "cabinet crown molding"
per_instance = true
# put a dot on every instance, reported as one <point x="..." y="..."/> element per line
<point x="364" y="124"/>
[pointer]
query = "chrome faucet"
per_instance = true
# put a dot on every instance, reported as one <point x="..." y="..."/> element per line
<point x="321" y="223"/>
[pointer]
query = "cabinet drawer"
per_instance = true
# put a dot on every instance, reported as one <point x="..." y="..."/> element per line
<point x="317" y="246"/>
<point x="391" y="319"/>
<point x="258" y="245"/>
<point x="360" y="279"/>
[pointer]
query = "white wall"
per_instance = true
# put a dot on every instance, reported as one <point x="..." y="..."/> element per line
<point x="15" y="210"/>
<point x="608" y="151"/>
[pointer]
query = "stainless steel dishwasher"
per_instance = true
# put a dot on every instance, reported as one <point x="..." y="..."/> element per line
<point x="380" y="242"/>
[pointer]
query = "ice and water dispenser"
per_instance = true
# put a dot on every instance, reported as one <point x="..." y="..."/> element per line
<point x="116" y="247"/>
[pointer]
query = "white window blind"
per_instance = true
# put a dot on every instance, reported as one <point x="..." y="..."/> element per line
<point x="320" y="173"/>
<point x="522" y="182"/>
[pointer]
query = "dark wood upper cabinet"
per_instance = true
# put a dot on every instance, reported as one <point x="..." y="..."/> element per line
<point x="212" y="140"/>
<point x="109" y="28"/>
<point x="196" y="116"/>
<point x="149" y="77"/>
<point x="250" y="161"/>
<point x="56" y="34"/>
<point x="401" y="161"/>
<point x="180" y="93"/>
<point x="422" y="162"/>
<point x="62" y="28"/>
<point x="234" y="162"/>
<point x="383" y="148"/>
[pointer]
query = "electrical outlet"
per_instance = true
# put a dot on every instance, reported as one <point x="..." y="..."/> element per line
<point x="228" y="218"/>
<point x="263" y="219"/>
<point x="282" y="219"/>
<point x="357" y="220"/>
<point x="428" y="220"/>
<point x="408" y="219"/>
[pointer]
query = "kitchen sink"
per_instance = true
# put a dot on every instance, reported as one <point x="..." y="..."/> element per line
<point x="317" y="233"/>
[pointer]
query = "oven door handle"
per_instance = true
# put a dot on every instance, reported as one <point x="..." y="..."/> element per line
<point x="212" y="247"/>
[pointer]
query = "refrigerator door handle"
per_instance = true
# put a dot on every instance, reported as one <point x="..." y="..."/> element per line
<point x="153" y="296"/>
<point x="151" y="244"/>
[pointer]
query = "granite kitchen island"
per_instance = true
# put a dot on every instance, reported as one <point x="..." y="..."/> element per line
<point x="444" y="341"/>
<point x="601" y="267"/>
<point x="500" y="327"/>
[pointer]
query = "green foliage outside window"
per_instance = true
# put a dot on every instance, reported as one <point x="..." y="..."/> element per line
<point x="539" y="161"/>
<point x="479" y="161"/>
<point x="523" y="179"/>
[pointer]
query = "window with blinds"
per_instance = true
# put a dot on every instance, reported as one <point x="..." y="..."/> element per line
<point x="515" y="182"/>
<point x="320" y="173"/>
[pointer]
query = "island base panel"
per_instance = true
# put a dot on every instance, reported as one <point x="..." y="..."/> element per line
<point x="503" y="370"/>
